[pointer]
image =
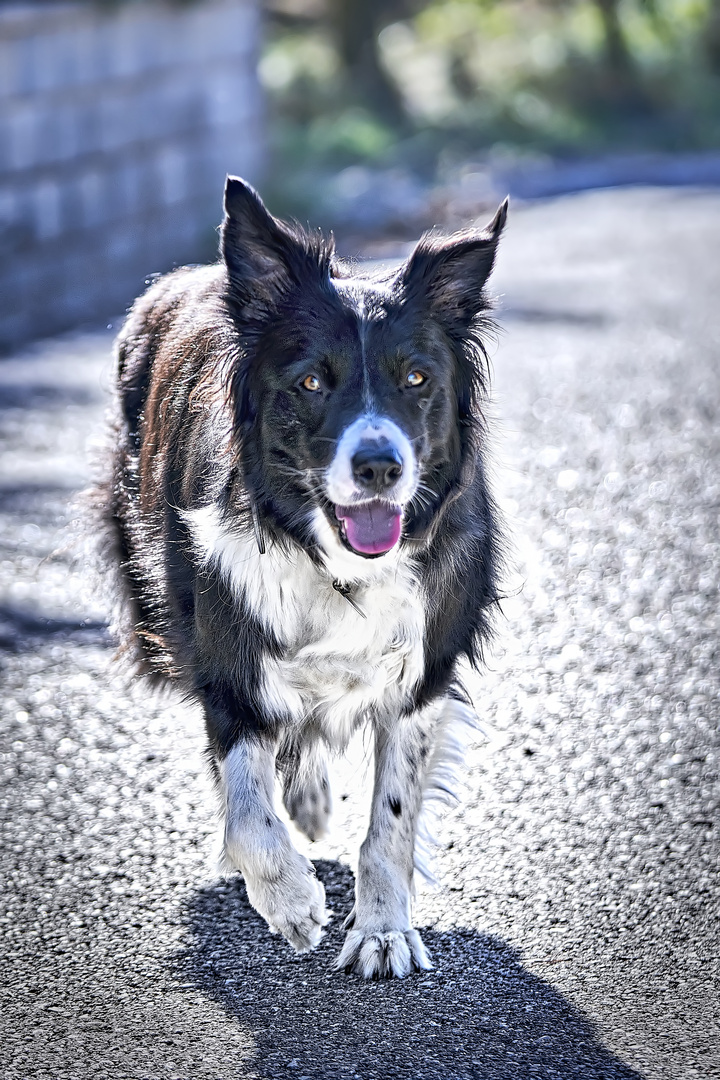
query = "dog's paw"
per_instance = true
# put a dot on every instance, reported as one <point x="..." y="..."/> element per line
<point x="382" y="954"/>
<point x="293" y="905"/>
<point x="310" y="804"/>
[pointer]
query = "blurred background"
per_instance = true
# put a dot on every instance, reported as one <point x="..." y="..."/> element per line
<point x="119" y="120"/>
<point x="576" y="932"/>
<point x="436" y="105"/>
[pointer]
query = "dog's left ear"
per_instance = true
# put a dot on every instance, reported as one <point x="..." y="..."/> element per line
<point x="447" y="275"/>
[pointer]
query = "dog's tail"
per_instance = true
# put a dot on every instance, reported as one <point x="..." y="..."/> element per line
<point x="458" y="727"/>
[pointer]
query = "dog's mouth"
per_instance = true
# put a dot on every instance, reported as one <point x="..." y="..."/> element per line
<point x="370" y="528"/>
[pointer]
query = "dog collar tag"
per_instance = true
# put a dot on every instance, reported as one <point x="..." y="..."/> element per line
<point x="346" y="591"/>
<point x="259" y="538"/>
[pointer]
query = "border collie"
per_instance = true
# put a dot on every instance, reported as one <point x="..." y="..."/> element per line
<point x="306" y="540"/>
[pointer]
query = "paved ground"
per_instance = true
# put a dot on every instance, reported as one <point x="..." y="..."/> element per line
<point x="576" y="930"/>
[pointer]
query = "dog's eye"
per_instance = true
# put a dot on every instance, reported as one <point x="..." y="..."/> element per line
<point x="311" y="382"/>
<point x="414" y="378"/>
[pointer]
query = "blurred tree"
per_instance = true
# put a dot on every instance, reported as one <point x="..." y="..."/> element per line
<point x="356" y="26"/>
<point x="712" y="37"/>
<point x="406" y="83"/>
<point x="617" y="54"/>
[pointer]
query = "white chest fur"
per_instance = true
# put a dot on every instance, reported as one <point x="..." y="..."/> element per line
<point x="336" y="667"/>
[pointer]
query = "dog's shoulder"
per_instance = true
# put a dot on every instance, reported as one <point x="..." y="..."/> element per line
<point x="177" y="324"/>
<point x="190" y="292"/>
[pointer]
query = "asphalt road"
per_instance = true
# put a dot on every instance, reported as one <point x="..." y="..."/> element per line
<point x="575" y="932"/>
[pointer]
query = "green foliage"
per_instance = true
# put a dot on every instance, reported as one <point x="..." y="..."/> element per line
<point x="558" y="76"/>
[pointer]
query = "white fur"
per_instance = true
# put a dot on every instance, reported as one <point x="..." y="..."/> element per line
<point x="382" y="941"/>
<point x="340" y="485"/>
<point x="336" y="666"/>
<point x="336" y="669"/>
<point x="378" y="955"/>
<point x="281" y="884"/>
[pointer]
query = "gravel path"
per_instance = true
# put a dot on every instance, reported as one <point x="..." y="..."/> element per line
<point x="575" y="931"/>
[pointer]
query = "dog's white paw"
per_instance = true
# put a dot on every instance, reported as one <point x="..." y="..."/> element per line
<point x="292" y="905"/>
<point x="383" y="954"/>
<point x="310" y="804"/>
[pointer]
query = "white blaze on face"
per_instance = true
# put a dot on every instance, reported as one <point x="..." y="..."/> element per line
<point x="340" y="483"/>
<point x="371" y="478"/>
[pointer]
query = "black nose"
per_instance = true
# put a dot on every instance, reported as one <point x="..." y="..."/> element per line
<point x="376" y="467"/>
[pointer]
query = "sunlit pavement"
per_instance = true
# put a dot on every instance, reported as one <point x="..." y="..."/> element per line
<point x="575" y="930"/>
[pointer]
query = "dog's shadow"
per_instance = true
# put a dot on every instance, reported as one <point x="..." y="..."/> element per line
<point x="478" y="1014"/>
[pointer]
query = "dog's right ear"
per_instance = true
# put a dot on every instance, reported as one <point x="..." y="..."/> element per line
<point x="253" y="245"/>
<point x="264" y="256"/>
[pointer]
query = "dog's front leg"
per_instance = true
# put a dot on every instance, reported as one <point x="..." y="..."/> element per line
<point x="281" y="884"/>
<point x="382" y="941"/>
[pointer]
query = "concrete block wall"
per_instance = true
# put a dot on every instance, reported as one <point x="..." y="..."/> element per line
<point x="117" y="127"/>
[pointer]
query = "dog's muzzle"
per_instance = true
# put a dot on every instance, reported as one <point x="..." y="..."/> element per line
<point x="371" y="478"/>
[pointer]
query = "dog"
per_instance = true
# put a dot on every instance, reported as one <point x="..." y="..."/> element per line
<point x="306" y="540"/>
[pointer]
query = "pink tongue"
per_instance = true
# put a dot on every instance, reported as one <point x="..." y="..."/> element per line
<point x="371" y="528"/>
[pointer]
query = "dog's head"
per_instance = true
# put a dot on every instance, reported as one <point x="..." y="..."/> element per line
<point x="356" y="398"/>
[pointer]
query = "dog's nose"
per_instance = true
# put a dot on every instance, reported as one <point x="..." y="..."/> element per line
<point x="376" y="467"/>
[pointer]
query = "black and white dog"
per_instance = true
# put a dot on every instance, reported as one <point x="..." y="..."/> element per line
<point x="307" y="543"/>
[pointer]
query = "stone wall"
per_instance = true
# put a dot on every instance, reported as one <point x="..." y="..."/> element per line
<point x="117" y="127"/>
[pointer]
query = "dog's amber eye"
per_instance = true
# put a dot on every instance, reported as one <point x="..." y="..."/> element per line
<point x="311" y="382"/>
<point x="415" y="378"/>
